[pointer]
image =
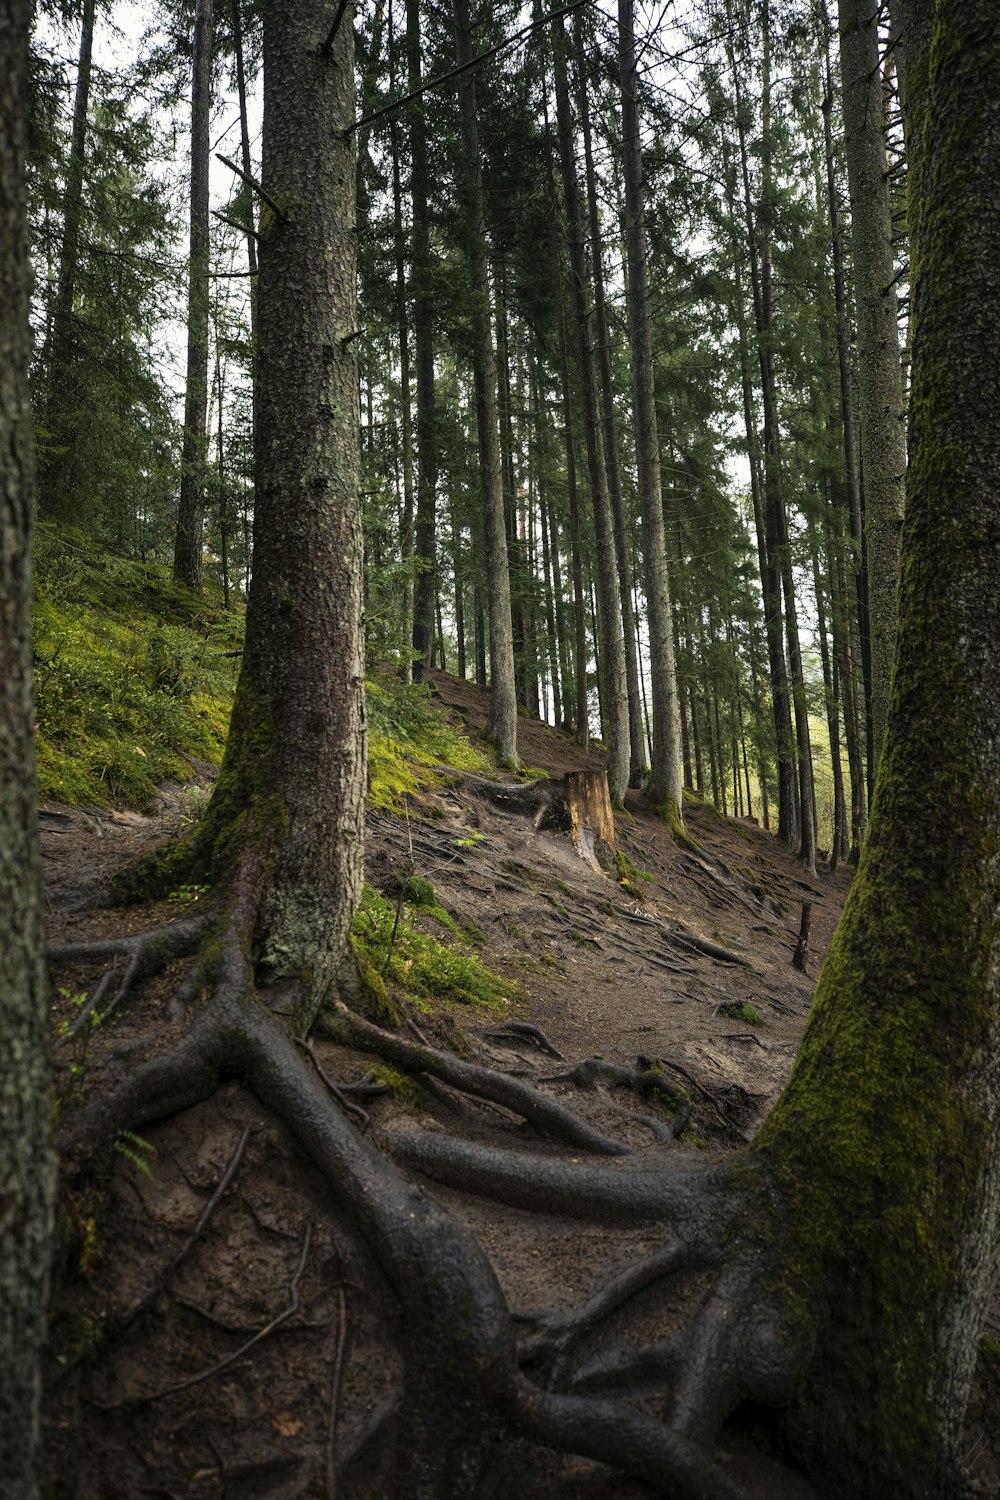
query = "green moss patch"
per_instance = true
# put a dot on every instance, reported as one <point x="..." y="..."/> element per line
<point x="133" y="682"/>
<point x="420" y="967"/>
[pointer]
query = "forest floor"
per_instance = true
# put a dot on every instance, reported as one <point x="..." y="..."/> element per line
<point x="153" y="1386"/>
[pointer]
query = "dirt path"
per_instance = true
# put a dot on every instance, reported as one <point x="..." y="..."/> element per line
<point x="142" y="1308"/>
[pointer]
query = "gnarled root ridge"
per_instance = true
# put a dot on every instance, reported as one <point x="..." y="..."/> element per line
<point x="468" y="1380"/>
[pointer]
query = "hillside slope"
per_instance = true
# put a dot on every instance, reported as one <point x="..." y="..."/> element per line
<point x="683" y="959"/>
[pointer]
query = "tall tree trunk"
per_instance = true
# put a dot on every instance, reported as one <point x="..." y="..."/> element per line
<point x="579" y="698"/>
<point x="27" y="1160"/>
<point x="424" y="583"/>
<point x="56" y="487"/>
<point x="611" y="655"/>
<point x="289" y="803"/>
<point x="241" y="89"/>
<point x="763" y="497"/>
<point x="188" y="561"/>
<point x="831" y="683"/>
<point x="847" y="414"/>
<point x="908" y="1004"/>
<point x="637" y="731"/>
<point x="883" y="447"/>
<point x="502" y="726"/>
<point x="666" y="777"/>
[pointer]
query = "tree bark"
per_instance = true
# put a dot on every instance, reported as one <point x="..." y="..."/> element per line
<point x="883" y="448"/>
<point x="886" y="1139"/>
<point x="288" y="808"/>
<point x="56" y="489"/>
<point x="502" y="726"/>
<point x="423" y="337"/>
<point x="612" y="455"/>
<point x="612" y="646"/>
<point x="665" y="786"/>
<point x="27" y="1161"/>
<point x="188" y="563"/>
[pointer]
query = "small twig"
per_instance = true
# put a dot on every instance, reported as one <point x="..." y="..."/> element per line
<point x="251" y="182"/>
<point x="192" y="1239"/>
<point x="222" y="1364"/>
<point x="234" y="223"/>
<point x="424" y="1041"/>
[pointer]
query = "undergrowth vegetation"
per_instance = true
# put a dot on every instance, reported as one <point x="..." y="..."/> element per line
<point x="422" y="967"/>
<point x="408" y="736"/>
<point x="134" y="683"/>
<point x="134" y="675"/>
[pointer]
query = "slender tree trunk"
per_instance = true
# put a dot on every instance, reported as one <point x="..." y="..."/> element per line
<point x="883" y="448"/>
<point x="241" y="88"/>
<point x="830" y="694"/>
<point x="56" y="488"/>
<point x="637" y="733"/>
<point x="581" y="714"/>
<point x="188" y="559"/>
<point x="27" y="1159"/>
<point x="665" y="780"/>
<point x="502" y="726"/>
<point x="847" y="414"/>
<point x="424" y="584"/>
<point x="764" y="514"/>
<point x="611" y="656"/>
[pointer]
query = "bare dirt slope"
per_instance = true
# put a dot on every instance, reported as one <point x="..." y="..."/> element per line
<point x="218" y="1329"/>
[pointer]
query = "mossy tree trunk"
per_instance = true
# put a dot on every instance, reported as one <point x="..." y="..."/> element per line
<point x="27" y="1164"/>
<point x="886" y="1144"/>
<point x="287" y="812"/>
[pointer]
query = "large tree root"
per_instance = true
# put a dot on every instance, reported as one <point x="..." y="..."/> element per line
<point x="500" y="1088"/>
<point x="464" y="1381"/>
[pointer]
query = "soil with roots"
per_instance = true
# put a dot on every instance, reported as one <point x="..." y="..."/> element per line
<point x="221" y="1326"/>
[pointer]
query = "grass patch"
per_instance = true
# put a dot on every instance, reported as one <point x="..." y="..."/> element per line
<point x="409" y="735"/>
<point x="421" y="967"/>
<point x="132" y="679"/>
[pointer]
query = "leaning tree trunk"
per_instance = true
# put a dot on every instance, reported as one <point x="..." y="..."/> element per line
<point x="27" y="1165"/>
<point x="502" y="726"/>
<point x="287" y="811"/>
<point x="883" y="447"/>
<point x="191" y="509"/>
<point x="886" y="1143"/>
<point x="665" y="781"/>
